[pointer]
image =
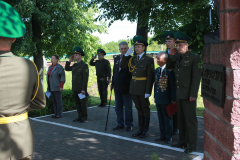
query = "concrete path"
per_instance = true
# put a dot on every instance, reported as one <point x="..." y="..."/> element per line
<point x="62" y="139"/>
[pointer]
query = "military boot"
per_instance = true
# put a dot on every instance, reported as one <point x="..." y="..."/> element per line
<point x="145" y="127"/>
<point x="140" y="124"/>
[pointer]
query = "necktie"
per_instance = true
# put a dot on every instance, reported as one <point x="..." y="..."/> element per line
<point x="160" y="70"/>
<point x="138" y="58"/>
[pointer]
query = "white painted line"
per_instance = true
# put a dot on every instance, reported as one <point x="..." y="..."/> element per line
<point x="117" y="136"/>
<point x="63" y="112"/>
<point x="198" y="157"/>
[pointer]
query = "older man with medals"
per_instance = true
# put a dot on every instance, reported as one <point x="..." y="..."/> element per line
<point x="164" y="94"/>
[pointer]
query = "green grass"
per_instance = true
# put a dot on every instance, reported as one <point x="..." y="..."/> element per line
<point x="95" y="99"/>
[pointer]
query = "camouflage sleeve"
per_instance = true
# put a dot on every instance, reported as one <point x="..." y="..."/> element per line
<point x="150" y="76"/>
<point x="196" y="77"/>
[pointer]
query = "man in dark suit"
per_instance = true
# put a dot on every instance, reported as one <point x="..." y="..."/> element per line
<point x="164" y="94"/>
<point x="188" y="75"/>
<point x="170" y="43"/>
<point x="121" y="83"/>
<point x="142" y="68"/>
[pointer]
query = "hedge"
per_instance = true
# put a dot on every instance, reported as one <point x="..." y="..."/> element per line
<point x="68" y="104"/>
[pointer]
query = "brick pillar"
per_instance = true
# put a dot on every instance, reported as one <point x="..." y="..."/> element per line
<point x="222" y="125"/>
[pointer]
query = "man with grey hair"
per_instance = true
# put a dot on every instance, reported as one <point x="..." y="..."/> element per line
<point x="121" y="83"/>
<point x="164" y="94"/>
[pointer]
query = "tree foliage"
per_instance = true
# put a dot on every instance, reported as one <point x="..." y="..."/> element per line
<point x="55" y="27"/>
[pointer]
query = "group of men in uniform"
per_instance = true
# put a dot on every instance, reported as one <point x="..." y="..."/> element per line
<point x="21" y="93"/>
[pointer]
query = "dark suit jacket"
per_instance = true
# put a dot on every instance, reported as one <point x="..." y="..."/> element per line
<point x="165" y="97"/>
<point x="56" y="77"/>
<point x="121" y="79"/>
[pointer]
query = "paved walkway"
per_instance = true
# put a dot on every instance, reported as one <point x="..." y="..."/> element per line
<point x="62" y="139"/>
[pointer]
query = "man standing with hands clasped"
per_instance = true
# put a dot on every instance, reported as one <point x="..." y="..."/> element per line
<point x="142" y="68"/>
<point x="188" y="75"/>
<point x="80" y="75"/>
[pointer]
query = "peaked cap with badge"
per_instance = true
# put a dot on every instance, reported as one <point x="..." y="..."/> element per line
<point x="11" y="24"/>
<point x="139" y="40"/>
<point x="78" y="50"/>
<point x="181" y="37"/>
<point x="169" y="35"/>
<point x="25" y="93"/>
<point x="101" y="51"/>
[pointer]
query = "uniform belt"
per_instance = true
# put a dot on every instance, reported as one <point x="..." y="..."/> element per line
<point x="6" y="120"/>
<point x="139" y="78"/>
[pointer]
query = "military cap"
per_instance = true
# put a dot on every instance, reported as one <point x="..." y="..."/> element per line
<point x="11" y="24"/>
<point x="99" y="51"/>
<point x="169" y="34"/>
<point x="78" y="50"/>
<point x="181" y="37"/>
<point x="139" y="40"/>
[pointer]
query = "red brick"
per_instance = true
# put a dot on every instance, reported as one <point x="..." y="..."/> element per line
<point x="222" y="132"/>
<point x="218" y="111"/>
<point x="233" y="83"/>
<point x="206" y="53"/>
<point x="235" y="116"/>
<point x="205" y="157"/>
<point x="231" y="52"/>
<point x="229" y="4"/>
<point x="229" y="26"/>
<point x="216" y="54"/>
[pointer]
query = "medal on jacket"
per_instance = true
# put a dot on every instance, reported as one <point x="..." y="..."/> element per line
<point x="163" y="82"/>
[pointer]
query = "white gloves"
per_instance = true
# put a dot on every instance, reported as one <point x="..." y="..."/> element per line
<point x="147" y="95"/>
<point x="129" y="52"/>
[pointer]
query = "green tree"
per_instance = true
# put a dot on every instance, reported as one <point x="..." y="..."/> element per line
<point x="55" y="27"/>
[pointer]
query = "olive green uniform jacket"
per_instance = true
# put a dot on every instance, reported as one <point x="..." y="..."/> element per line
<point x="188" y="74"/>
<point x="103" y="68"/>
<point x="80" y="73"/>
<point x="18" y="84"/>
<point x="143" y="68"/>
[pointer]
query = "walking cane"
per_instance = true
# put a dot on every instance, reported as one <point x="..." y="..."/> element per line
<point x="108" y="110"/>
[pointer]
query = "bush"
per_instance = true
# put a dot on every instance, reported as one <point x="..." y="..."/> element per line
<point x="68" y="104"/>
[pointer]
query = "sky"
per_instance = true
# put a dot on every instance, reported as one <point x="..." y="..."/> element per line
<point x="118" y="30"/>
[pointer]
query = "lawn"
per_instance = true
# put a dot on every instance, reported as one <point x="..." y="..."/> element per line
<point x="93" y="90"/>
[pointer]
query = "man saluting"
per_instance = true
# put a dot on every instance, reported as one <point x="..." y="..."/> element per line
<point x="142" y="68"/>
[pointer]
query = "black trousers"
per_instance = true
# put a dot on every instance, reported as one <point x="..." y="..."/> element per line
<point x="57" y="103"/>
<point x="187" y="122"/>
<point x="142" y="104"/>
<point x="102" y="89"/>
<point x="81" y="106"/>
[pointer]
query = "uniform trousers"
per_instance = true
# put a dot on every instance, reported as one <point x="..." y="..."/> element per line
<point x="102" y="89"/>
<point x="57" y="103"/>
<point x="142" y="105"/>
<point x="81" y="106"/>
<point x="187" y="122"/>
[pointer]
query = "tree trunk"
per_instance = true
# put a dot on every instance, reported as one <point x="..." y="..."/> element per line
<point x="37" y="39"/>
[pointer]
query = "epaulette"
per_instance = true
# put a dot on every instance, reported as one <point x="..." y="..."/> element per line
<point x="149" y="56"/>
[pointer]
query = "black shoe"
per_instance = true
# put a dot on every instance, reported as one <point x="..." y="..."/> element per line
<point x="168" y="140"/>
<point x="179" y="145"/>
<point x="139" y="132"/>
<point x="57" y="117"/>
<point x="77" y="119"/>
<point x="82" y="121"/>
<point x="100" y="105"/>
<point x="129" y="128"/>
<point x="144" y="134"/>
<point x="117" y="128"/>
<point x="176" y="132"/>
<point x="160" y="139"/>
<point x="189" y="150"/>
<point x="53" y="116"/>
